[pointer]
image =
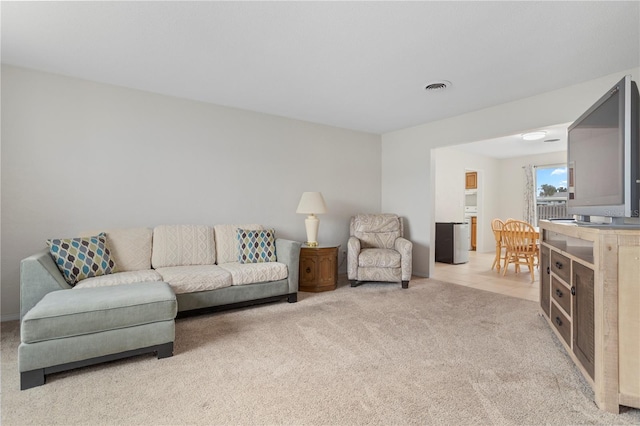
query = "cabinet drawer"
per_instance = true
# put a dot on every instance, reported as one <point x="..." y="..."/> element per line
<point x="560" y="265"/>
<point x="561" y="323"/>
<point x="561" y="294"/>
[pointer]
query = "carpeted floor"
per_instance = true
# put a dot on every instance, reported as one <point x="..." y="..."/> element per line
<point x="436" y="353"/>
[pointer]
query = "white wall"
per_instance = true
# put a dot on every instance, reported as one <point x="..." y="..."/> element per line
<point x="79" y="155"/>
<point x="450" y="166"/>
<point x="449" y="183"/>
<point x="407" y="173"/>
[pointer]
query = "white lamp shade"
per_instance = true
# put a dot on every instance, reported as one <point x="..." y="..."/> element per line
<point x="311" y="203"/>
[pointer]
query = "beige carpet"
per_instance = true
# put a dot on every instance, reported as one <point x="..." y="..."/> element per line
<point x="437" y="353"/>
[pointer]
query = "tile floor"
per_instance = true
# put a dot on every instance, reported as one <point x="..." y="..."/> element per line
<point x="477" y="273"/>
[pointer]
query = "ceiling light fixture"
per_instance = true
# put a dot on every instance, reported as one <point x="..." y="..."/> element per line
<point x="437" y="85"/>
<point x="533" y="136"/>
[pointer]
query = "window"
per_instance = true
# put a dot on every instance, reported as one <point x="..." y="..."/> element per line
<point x="551" y="191"/>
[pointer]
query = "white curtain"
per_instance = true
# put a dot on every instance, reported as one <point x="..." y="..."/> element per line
<point x="529" y="213"/>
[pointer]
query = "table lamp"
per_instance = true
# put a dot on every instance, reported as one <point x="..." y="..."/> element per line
<point x="312" y="204"/>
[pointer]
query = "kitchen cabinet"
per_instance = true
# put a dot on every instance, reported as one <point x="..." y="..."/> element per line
<point x="471" y="180"/>
<point x="474" y="231"/>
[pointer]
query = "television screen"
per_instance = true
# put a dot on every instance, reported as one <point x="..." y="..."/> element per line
<point x="603" y="156"/>
<point x="598" y="157"/>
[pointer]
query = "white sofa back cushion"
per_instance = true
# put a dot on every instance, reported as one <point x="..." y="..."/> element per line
<point x="130" y="247"/>
<point x="227" y="241"/>
<point x="182" y="245"/>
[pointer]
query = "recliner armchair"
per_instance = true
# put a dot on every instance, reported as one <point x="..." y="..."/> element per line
<point x="377" y="251"/>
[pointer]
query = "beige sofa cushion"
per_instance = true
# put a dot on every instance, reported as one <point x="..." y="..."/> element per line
<point x="249" y="273"/>
<point x="130" y="247"/>
<point x="191" y="279"/>
<point x="227" y="241"/>
<point x="129" y="277"/>
<point x="181" y="245"/>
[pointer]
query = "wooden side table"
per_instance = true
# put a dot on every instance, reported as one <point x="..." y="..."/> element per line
<point x="318" y="268"/>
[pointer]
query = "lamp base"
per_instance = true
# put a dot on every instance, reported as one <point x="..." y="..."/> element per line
<point x="312" y="223"/>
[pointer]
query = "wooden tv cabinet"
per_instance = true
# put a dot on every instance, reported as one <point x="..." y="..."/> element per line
<point x="590" y="295"/>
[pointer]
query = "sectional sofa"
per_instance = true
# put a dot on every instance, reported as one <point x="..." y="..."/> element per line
<point x="201" y="263"/>
<point x="115" y="294"/>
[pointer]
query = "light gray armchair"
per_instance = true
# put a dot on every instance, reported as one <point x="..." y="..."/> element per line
<point x="377" y="251"/>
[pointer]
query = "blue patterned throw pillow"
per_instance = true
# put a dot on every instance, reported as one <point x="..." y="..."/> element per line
<point x="80" y="258"/>
<point x="256" y="246"/>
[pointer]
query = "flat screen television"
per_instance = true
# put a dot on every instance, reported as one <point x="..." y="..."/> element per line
<point x="603" y="159"/>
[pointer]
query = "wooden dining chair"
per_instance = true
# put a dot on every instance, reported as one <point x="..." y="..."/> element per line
<point x="521" y="242"/>
<point x="537" y="258"/>
<point x="496" y="227"/>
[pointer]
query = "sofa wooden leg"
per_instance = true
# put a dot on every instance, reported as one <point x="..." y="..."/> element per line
<point x="31" y="379"/>
<point x="165" y="351"/>
<point x="354" y="283"/>
<point x="405" y="284"/>
<point x="292" y="298"/>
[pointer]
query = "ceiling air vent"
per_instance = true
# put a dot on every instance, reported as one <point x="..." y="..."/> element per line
<point x="437" y="85"/>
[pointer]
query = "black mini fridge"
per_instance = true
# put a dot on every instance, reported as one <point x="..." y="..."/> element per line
<point x="452" y="242"/>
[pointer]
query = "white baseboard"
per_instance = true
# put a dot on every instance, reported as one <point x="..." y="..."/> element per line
<point x="9" y="317"/>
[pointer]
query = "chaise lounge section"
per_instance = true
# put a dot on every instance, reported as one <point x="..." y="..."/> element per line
<point x="67" y="330"/>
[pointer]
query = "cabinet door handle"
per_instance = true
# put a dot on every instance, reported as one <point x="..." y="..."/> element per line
<point x="558" y="292"/>
<point x="548" y="270"/>
<point x="558" y="321"/>
<point x="308" y="270"/>
<point x="573" y="291"/>
<point x="558" y="265"/>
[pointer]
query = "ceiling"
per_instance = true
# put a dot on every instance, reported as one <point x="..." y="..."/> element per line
<point x="554" y="140"/>
<point x="356" y="65"/>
